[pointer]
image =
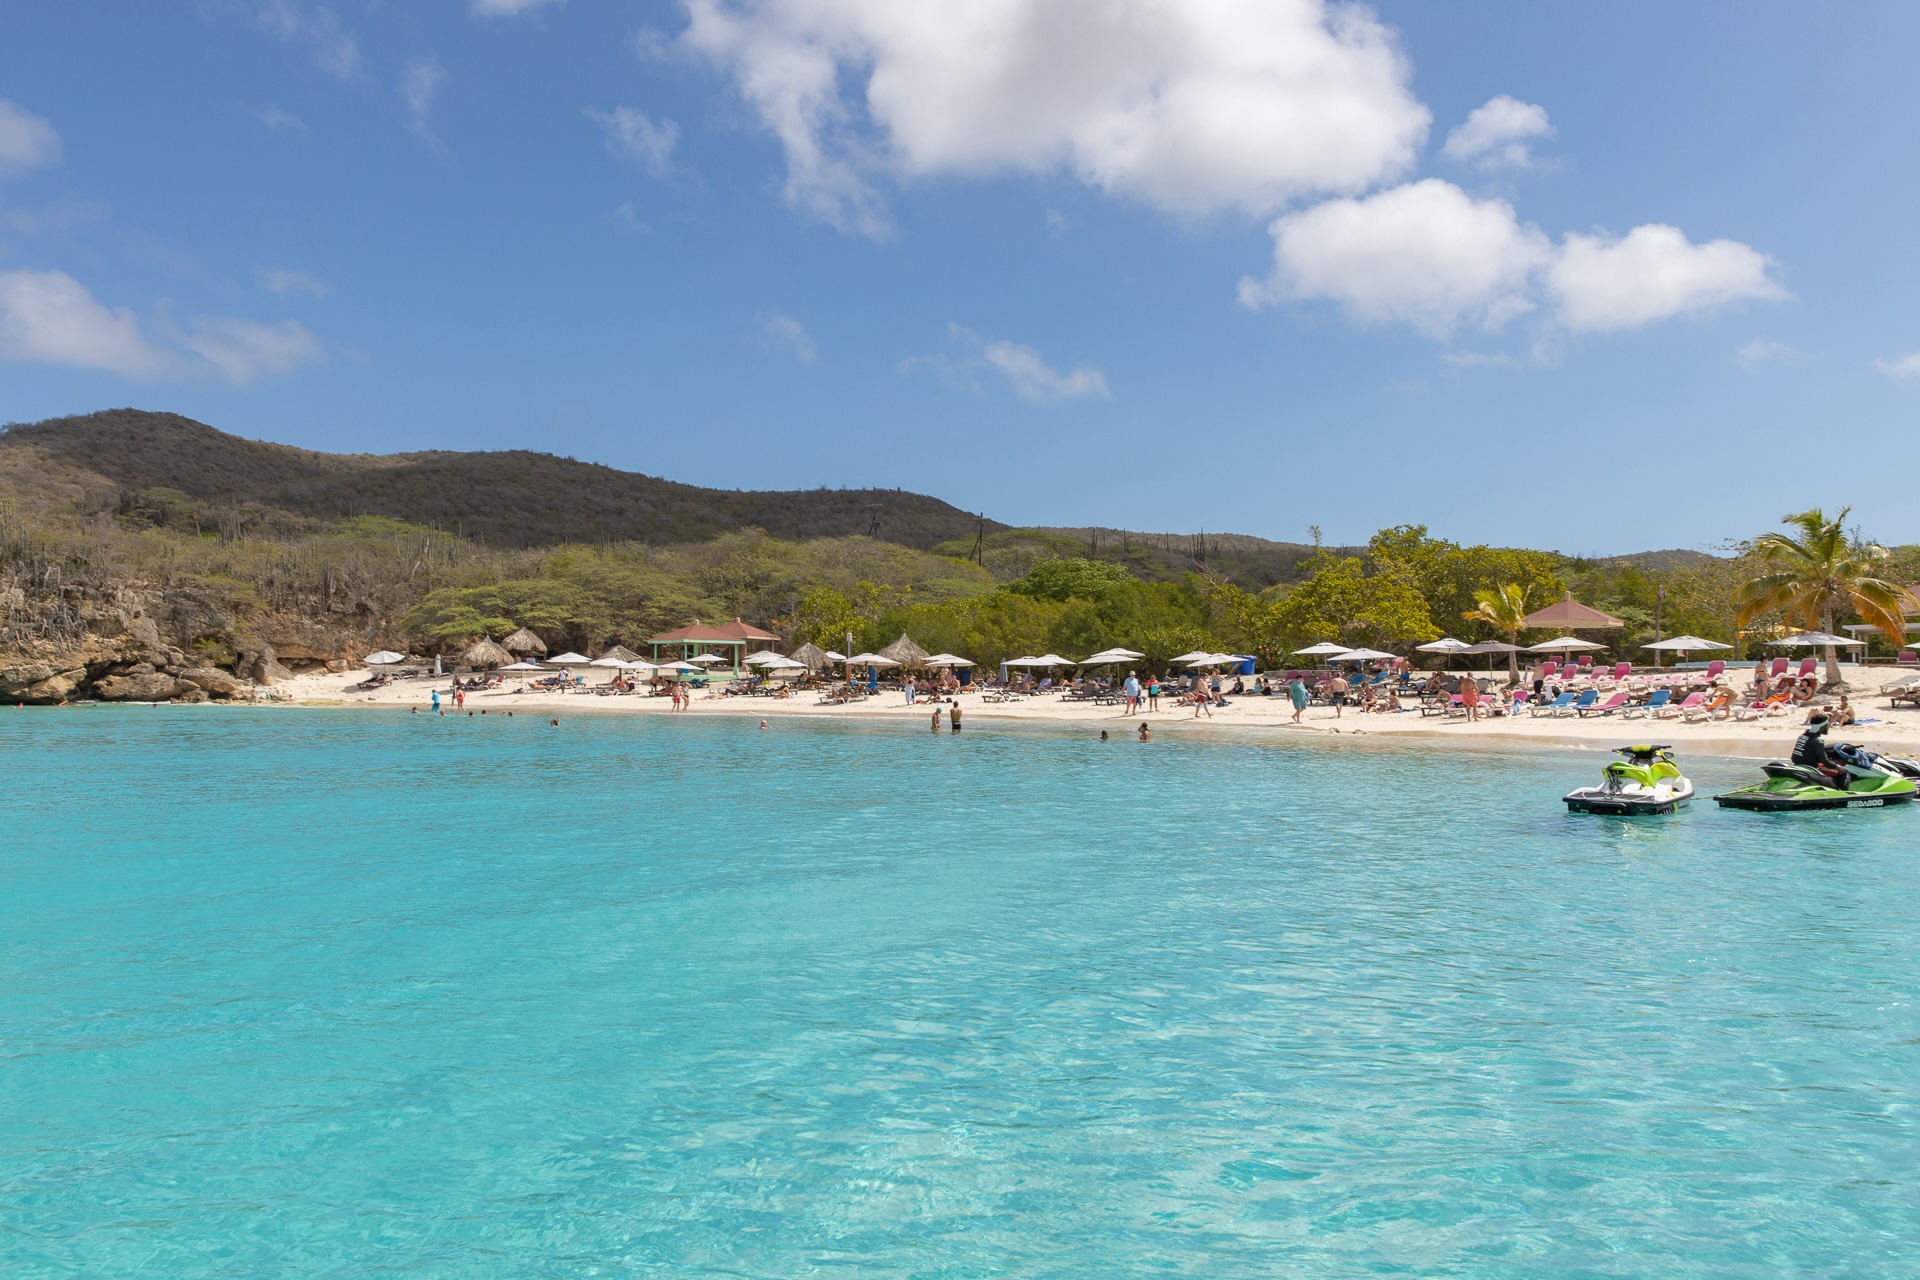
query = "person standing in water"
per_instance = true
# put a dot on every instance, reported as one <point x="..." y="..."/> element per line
<point x="1146" y="734"/>
<point x="953" y="717"/>
<point x="936" y="717"/>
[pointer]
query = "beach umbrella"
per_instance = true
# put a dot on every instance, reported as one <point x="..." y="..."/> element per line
<point x="950" y="660"/>
<point x="523" y="666"/>
<point x="524" y="641"/>
<point x="1190" y="657"/>
<point x="568" y="659"/>
<point x="707" y="659"/>
<point x="1445" y="644"/>
<point x="1814" y="638"/>
<point x="831" y="656"/>
<point x="485" y="653"/>
<point x="905" y="652"/>
<point x="1363" y="655"/>
<point x="1572" y="615"/>
<point x="1564" y="644"/>
<point x="1051" y="660"/>
<point x="1325" y="647"/>
<point x="766" y="658"/>
<point x="383" y="658"/>
<point x="1683" y="645"/>
<point x="621" y="652"/>
<point x="605" y="661"/>
<point x="814" y="657"/>
<point x="871" y="660"/>
<point x="638" y="664"/>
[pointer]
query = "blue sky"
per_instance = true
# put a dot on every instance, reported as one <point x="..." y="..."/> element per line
<point x="1597" y="278"/>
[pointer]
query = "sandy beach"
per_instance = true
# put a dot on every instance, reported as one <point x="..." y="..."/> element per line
<point x="1892" y="731"/>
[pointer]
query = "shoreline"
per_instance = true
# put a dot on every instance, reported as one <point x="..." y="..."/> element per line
<point x="1893" y="732"/>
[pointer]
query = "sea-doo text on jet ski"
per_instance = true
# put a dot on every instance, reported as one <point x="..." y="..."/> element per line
<point x="1840" y="776"/>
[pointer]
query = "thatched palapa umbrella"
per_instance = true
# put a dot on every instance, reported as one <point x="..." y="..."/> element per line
<point x="814" y="656"/>
<point x="524" y="641"/>
<point x="621" y="652"/>
<point x="905" y="652"/>
<point x="485" y="653"/>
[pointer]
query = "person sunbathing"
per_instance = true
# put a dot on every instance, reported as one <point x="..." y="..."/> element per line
<point x="1803" y="691"/>
<point x="1720" y="705"/>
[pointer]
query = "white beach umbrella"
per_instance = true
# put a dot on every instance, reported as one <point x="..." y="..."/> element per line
<point x="383" y="658"/>
<point x="568" y="659"/>
<point x="835" y="657"/>
<point x="950" y="660"/>
<point x="1051" y="660"/>
<point x="1686" y="644"/>
<point x="1112" y="655"/>
<point x="607" y="662"/>
<point x="1565" y="644"/>
<point x="523" y="666"/>
<point x="1194" y="656"/>
<point x="707" y="659"/>
<point x="1363" y="655"/>
<point x="1814" y="638"/>
<point x="1445" y="644"/>
<point x="684" y="668"/>
<point x="1324" y="647"/>
<point x="764" y="658"/>
<point x="871" y="660"/>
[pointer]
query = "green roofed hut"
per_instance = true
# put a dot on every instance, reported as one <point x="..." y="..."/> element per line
<point x="731" y="639"/>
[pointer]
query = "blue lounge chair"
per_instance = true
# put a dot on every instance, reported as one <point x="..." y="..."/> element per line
<point x="1557" y="706"/>
<point x="1581" y="704"/>
<point x="1658" y="700"/>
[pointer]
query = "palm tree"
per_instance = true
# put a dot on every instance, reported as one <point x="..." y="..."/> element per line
<point x="1816" y="576"/>
<point x="1505" y="610"/>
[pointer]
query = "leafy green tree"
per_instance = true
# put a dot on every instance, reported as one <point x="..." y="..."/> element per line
<point x="1076" y="578"/>
<point x="1813" y="578"/>
<point x="1342" y="603"/>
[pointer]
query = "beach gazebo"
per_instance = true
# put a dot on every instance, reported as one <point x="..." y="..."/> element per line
<point x="698" y="638"/>
<point x="1569" y="614"/>
<point x="906" y="653"/>
<point x="484" y="653"/>
<point x="524" y="641"/>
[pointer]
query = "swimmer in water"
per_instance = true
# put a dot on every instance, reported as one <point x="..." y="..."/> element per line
<point x="1146" y="734"/>
<point x="936" y="717"/>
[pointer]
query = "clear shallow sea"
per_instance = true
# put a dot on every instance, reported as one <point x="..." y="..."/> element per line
<point x="354" y="994"/>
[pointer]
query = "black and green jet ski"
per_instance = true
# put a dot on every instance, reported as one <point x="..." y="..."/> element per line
<point x="1646" y="781"/>
<point x="1840" y="776"/>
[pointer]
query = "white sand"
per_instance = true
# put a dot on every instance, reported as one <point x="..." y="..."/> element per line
<point x="1897" y="733"/>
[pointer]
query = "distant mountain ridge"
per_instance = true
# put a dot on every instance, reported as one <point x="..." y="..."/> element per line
<point x="507" y="498"/>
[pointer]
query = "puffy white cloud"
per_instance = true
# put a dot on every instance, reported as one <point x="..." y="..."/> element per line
<point x="1426" y="254"/>
<point x="632" y="135"/>
<point x="245" y="350"/>
<point x="334" y="48"/>
<point x="1190" y="106"/>
<point x="1023" y="367"/>
<point x="1903" y="367"/>
<point x="27" y="141"/>
<point x="506" y="8"/>
<point x="420" y="82"/>
<point x="1430" y="256"/>
<point x="1765" y="351"/>
<point x="48" y="317"/>
<point x="285" y="280"/>
<point x="784" y="333"/>
<point x="1651" y="273"/>
<point x="1496" y="135"/>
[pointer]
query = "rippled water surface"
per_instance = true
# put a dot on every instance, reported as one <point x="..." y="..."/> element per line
<point x="356" y="994"/>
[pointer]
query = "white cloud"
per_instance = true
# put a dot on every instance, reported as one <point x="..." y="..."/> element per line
<point x="784" y="333"/>
<point x="1426" y="254"/>
<point x="245" y="350"/>
<point x="506" y="8"/>
<point x="285" y="280"/>
<point x="1430" y="256"/>
<point x="334" y="48"/>
<point x="1495" y="136"/>
<point x="1904" y="367"/>
<point x="48" y="317"/>
<point x="420" y="82"/>
<point x="1190" y="106"/>
<point x="633" y="136"/>
<point x="27" y="141"/>
<point x="1652" y="273"/>
<point x="1765" y="351"/>
<point x="274" y="118"/>
<point x="1030" y="376"/>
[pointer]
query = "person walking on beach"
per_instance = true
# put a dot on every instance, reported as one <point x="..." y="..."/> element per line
<point x="1153" y="693"/>
<point x="1470" y="698"/>
<point x="1337" y="693"/>
<point x="1132" y="689"/>
<point x="1297" y="694"/>
<point x="910" y="691"/>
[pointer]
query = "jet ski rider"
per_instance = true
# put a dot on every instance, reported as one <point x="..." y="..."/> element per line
<point x="1810" y="752"/>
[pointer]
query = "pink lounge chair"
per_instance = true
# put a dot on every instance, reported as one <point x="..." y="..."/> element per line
<point x="1778" y="669"/>
<point x="1714" y="669"/>
<point x="1692" y="702"/>
<point x="1551" y="665"/>
<point x="1620" y="670"/>
<point x="1608" y="707"/>
<point x="1807" y="667"/>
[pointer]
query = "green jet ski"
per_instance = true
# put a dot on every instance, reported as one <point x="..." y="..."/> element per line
<point x="1840" y="776"/>
<point x="1646" y="781"/>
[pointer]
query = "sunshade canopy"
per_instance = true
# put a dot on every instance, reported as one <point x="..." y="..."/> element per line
<point x="524" y="641"/>
<point x="1324" y="647"/>
<point x="621" y="652"/>
<point x="486" y="653"/>
<point x="709" y="659"/>
<point x="950" y="660"/>
<point x="1568" y="612"/>
<point x="767" y="658"/>
<point x="837" y="657"/>
<point x="1565" y="644"/>
<point x="523" y="666"/>
<point x="905" y="652"/>
<point x="1364" y="655"/>
<point x="1495" y="646"/>
<point x="1686" y="644"/>
<point x="1113" y="655"/>
<point x="608" y="662"/>
<point x="871" y="660"/>
<point x="1445" y="644"/>
<point x="1189" y="657"/>
<point x="1815" y="637"/>
<point x="383" y="657"/>
<point x="568" y="659"/>
<point x="813" y="656"/>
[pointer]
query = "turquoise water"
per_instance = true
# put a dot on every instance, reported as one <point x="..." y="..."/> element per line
<point x="353" y="994"/>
